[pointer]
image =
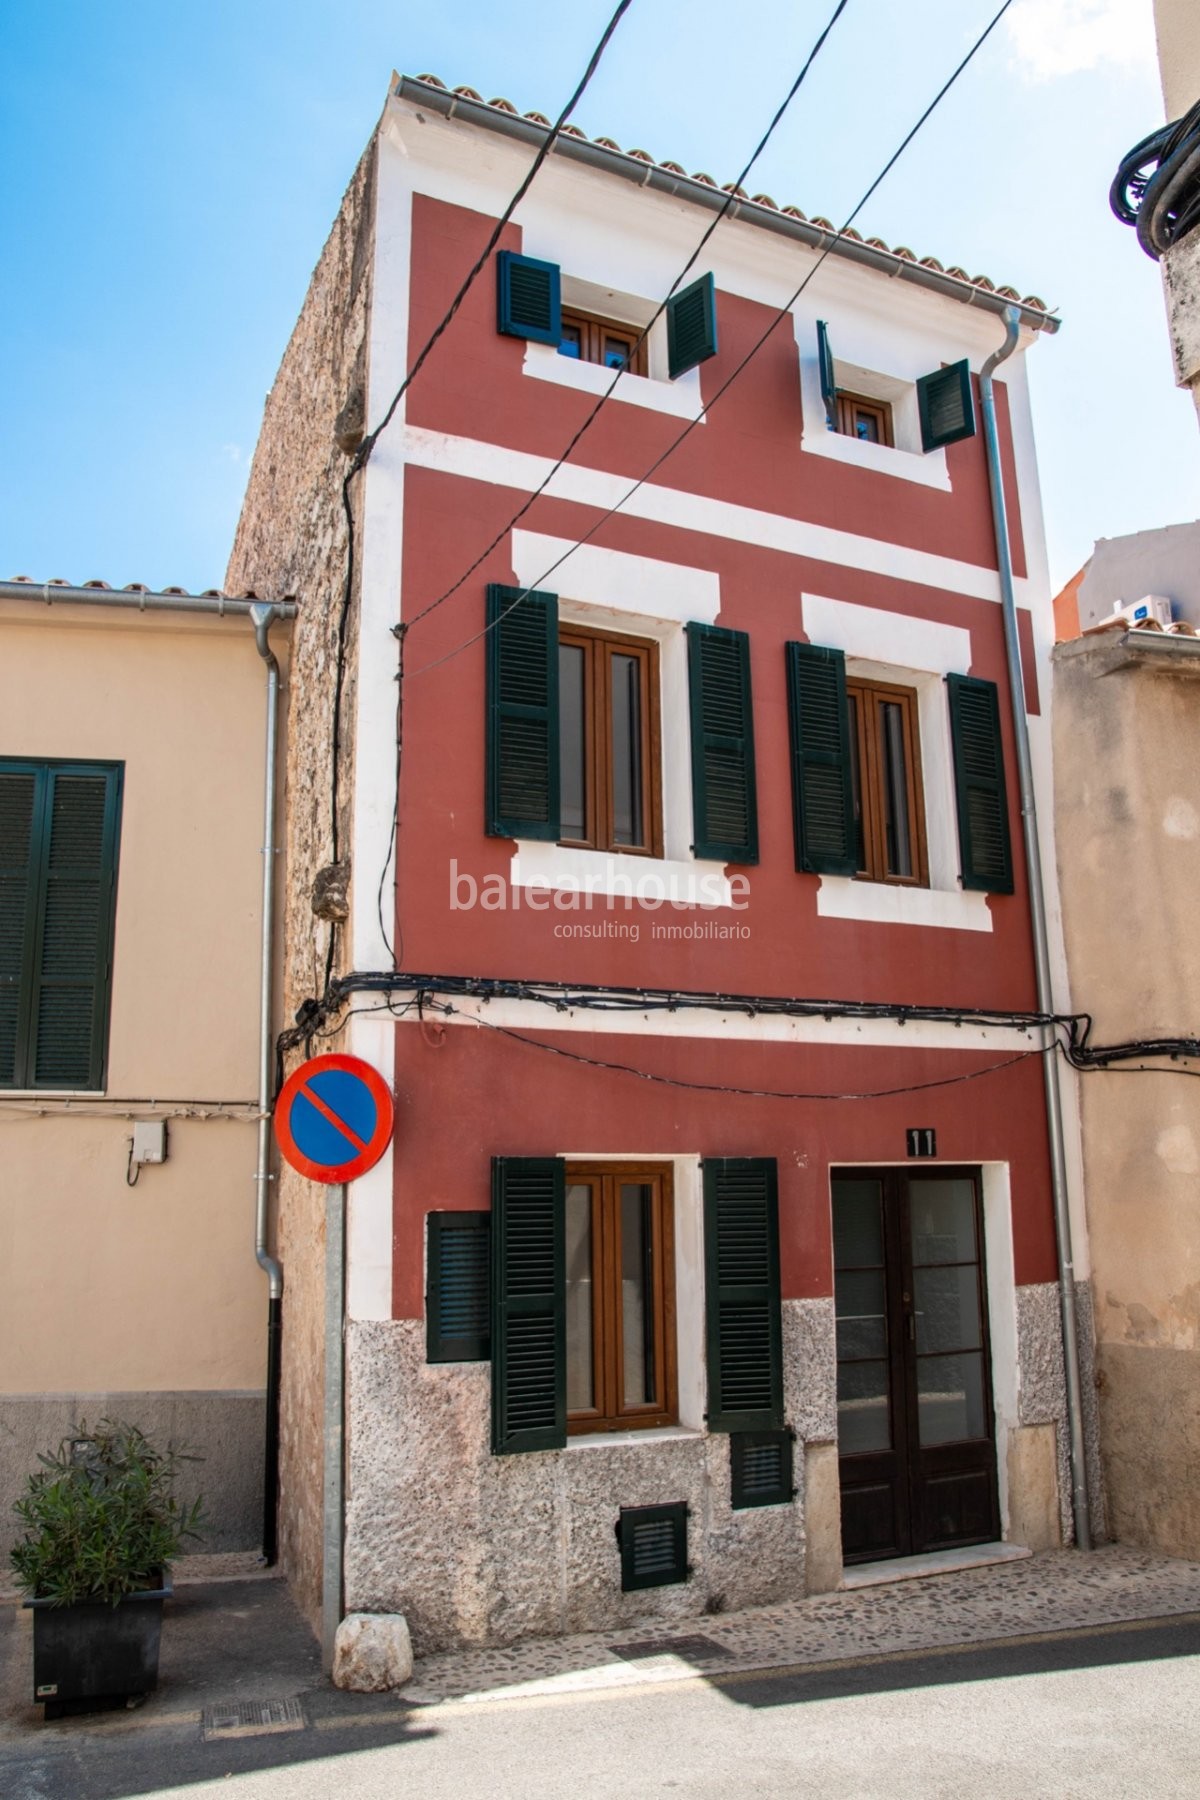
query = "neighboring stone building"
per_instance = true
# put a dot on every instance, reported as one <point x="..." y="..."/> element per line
<point x="131" y="871"/>
<point x="738" y="1335"/>
<point x="1127" y="786"/>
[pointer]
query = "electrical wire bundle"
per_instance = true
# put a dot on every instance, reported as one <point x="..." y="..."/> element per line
<point x="1157" y="187"/>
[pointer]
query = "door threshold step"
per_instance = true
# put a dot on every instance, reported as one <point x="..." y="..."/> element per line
<point x="935" y="1562"/>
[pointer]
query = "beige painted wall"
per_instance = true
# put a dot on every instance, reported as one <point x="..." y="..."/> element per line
<point x="1127" y="790"/>
<point x="153" y="1287"/>
<point x="1177" y="26"/>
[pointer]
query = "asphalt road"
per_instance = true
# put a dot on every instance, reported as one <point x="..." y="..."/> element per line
<point x="1113" y="1712"/>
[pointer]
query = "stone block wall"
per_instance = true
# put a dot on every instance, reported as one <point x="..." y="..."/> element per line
<point x="292" y="539"/>
<point x="482" y="1549"/>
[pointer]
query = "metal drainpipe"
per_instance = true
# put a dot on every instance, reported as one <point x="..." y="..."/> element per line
<point x="1041" y="945"/>
<point x="262" y="617"/>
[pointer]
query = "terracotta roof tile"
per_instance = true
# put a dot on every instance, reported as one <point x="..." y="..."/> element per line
<point x="956" y="273"/>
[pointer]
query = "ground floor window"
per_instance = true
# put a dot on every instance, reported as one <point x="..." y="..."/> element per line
<point x="620" y="1297"/>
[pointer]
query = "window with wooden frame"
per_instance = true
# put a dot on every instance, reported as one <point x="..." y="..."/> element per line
<point x="885" y="772"/>
<point x="620" y="1325"/>
<point x="868" y="420"/>
<point x="605" y="341"/>
<point x="609" y="742"/>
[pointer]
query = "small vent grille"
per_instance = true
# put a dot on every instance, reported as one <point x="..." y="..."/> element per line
<point x="760" y="1464"/>
<point x="653" y="1544"/>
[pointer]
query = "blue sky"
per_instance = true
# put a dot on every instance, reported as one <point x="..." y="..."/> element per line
<point x="168" y="175"/>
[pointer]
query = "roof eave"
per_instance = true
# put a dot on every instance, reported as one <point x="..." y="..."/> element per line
<point x="683" y="187"/>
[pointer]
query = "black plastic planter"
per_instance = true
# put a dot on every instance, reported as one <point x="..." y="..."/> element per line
<point x="92" y="1651"/>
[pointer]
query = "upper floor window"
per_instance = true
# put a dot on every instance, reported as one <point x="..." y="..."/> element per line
<point x="59" y="825"/>
<point x="885" y="778"/>
<point x="868" y="420"/>
<point x="608" y="741"/>
<point x="529" y="304"/>
<point x="603" y="341"/>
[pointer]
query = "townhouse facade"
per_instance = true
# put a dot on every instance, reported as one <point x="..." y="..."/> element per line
<point x="131" y="952"/>
<point x="673" y="795"/>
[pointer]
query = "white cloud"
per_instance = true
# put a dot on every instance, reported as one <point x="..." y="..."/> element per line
<point x="1067" y="37"/>
<point x="232" y="452"/>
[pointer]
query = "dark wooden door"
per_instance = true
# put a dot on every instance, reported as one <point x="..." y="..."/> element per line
<point x="916" y="1436"/>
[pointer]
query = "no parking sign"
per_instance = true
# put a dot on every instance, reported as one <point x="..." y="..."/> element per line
<point x="334" y="1118"/>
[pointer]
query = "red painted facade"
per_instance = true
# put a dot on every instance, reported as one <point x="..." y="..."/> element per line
<point x="466" y="1094"/>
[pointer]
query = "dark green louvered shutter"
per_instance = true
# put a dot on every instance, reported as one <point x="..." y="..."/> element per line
<point x="529" y="1304"/>
<point x="983" y="837"/>
<point x="21" y="797"/>
<point x="742" y="1299"/>
<point x="946" y="405"/>
<point x="822" y="785"/>
<point x="522" y="783"/>
<point x="528" y="298"/>
<point x="58" y="867"/>
<point x="724" y="801"/>
<point x="828" y="378"/>
<point x="691" y="326"/>
<point x="458" y="1288"/>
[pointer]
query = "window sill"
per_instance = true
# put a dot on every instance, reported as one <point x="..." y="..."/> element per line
<point x="651" y="880"/>
<point x="881" y="903"/>
<point x="927" y="469"/>
<point x="681" y="398"/>
<point x="616" y="1440"/>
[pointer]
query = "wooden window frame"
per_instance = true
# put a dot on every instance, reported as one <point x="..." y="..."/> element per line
<point x="865" y="719"/>
<point x="593" y="329"/>
<point x="610" y="1413"/>
<point x="597" y="647"/>
<point x="848" y="404"/>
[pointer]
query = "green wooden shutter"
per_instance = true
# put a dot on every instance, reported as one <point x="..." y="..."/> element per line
<point x="724" y="801"/>
<point x="822" y="784"/>
<point x="985" y="848"/>
<point x="828" y="378"/>
<point x="691" y="326"/>
<point x="22" y="796"/>
<point x="528" y="298"/>
<point x="58" y="865"/>
<point x="946" y="405"/>
<point x="529" y="1304"/>
<point x="742" y="1299"/>
<point x="458" y="1296"/>
<point x="522" y="785"/>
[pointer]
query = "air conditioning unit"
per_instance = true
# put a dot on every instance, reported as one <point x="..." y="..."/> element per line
<point x="1151" y="606"/>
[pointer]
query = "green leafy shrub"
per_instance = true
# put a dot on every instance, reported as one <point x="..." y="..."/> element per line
<point x="101" y="1516"/>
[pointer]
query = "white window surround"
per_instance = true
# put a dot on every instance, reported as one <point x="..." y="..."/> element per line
<point x="609" y="589"/>
<point x="680" y="398"/>
<point x="919" y="654"/>
<point x="688" y="1221"/>
<point x="905" y="459"/>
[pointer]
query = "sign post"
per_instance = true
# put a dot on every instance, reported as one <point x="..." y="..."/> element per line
<point x="333" y="1121"/>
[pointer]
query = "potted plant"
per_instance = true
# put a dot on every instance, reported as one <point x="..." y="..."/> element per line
<point x="102" y="1526"/>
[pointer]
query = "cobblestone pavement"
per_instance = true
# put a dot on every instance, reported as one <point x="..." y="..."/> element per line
<point x="1059" y="1590"/>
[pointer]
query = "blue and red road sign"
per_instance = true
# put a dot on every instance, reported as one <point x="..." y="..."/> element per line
<point x="333" y="1118"/>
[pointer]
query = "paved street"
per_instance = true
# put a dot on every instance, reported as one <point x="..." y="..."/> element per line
<point x="1108" y="1712"/>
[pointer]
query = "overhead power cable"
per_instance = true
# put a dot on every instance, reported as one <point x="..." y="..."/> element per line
<point x="730" y="199"/>
<point x="753" y="351"/>
<point x="363" y="454"/>
<point x="401" y="631"/>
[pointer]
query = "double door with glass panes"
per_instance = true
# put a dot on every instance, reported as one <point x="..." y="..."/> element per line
<point x="916" y="1435"/>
